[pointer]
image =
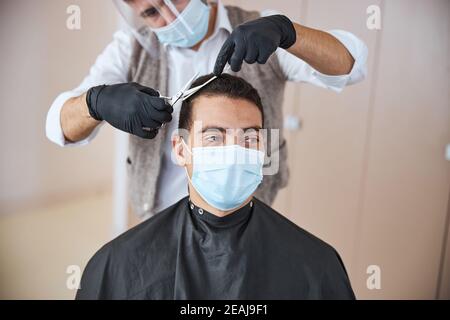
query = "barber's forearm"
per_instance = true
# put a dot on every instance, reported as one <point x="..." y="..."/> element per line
<point x="76" y="122"/>
<point x="321" y="51"/>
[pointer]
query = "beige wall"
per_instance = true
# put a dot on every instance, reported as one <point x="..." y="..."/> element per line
<point x="55" y="204"/>
<point x="368" y="173"/>
<point x="40" y="58"/>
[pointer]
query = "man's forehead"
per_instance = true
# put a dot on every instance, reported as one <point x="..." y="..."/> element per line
<point x="225" y="112"/>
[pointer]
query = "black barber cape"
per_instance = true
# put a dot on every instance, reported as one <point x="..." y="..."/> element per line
<point x="185" y="252"/>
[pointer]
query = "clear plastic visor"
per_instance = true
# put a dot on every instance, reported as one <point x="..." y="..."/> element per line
<point x="145" y="17"/>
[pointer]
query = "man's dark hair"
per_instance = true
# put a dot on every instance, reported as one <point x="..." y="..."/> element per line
<point x="225" y="85"/>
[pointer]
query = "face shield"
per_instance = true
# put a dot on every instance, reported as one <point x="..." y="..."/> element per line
<point x="180" y="23"/>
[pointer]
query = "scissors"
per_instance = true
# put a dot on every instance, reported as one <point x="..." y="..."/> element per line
<point x="184" y="94"/>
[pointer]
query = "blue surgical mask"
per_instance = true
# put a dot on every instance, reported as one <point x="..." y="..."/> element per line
<point x="188" y="28"/>
<point x="226" y="176"/>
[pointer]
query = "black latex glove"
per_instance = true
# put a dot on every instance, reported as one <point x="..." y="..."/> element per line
<point x="129" y="107"/>
<point x="255" y="41"/>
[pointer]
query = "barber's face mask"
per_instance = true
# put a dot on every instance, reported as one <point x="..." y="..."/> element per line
<point x="226" y="176"/>
<point x="188" y="29"/>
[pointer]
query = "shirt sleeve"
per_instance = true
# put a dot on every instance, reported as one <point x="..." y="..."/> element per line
<point x="297" y="70"/>
<point x="110" y="67"/>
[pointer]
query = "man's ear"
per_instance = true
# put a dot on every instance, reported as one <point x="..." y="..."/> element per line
<point x="178" y="149"/>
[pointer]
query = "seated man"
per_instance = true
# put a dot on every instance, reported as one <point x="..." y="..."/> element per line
<point x="220" y="242"/>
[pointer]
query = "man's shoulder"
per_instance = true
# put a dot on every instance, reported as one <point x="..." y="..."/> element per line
<point x="292" y="236"/>
<point x="153" y="233"/>
<point x="157" y="228"/>
<point x="303" y="248"/>
<point x="129" y="256"/>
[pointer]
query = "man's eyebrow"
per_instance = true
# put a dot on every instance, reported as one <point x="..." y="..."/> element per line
<point x="257" y="128"/>
<point x="223" y="130"/>
<point x="207" y="128"/>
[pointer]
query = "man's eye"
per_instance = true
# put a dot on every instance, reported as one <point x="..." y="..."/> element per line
<point x="150" y="12"/>
<point x="212" y="138"/>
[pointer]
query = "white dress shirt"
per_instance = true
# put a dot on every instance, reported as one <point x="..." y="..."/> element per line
<point x="111" y="67"/>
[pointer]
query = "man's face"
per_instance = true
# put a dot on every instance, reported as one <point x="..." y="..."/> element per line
<point x="158" y="13"/>
<point x="220" y="121"/>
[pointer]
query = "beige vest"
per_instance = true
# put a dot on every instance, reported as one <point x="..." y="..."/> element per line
<point x="144" y="158"/>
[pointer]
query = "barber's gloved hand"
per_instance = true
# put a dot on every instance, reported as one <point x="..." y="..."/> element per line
<point x="255" y="40"/>
<point x="129" y="107"/>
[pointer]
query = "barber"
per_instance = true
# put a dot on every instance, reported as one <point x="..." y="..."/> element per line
<point x="176" y="39"/>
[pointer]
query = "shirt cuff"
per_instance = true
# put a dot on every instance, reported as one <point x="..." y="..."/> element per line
<point x="358" y="50"/>
<point x="53" y="127"/>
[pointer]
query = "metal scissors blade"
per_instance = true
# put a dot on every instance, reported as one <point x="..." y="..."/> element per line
<point x="180" y="94"/>
<point x="192" y="91"/>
